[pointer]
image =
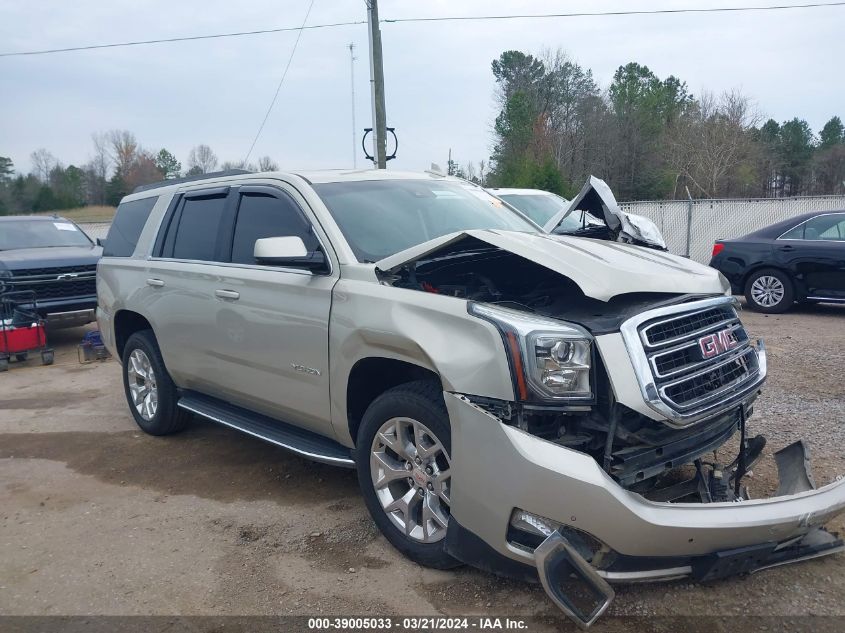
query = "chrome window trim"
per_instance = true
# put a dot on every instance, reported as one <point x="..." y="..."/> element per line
<point x="278" y="269"/>
<point x="642" y="368"/>
<point x="795" y="239"/>
<point x="309" y="216"/>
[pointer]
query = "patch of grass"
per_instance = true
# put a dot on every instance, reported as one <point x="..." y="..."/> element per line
<point x="85" y="214"/>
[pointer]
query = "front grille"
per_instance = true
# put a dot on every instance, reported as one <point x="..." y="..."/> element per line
<point x="685" y="378"/>
<point x="60" y="270"/>
<point x="60" y="289"/>
<point x="57" y="282"/>
<point x="669" y="330"/>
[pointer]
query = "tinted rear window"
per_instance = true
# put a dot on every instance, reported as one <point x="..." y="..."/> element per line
<point x="126" y="228"/>
<point x="199" y="223"/>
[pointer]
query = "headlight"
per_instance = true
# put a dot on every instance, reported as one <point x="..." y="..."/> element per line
<point x="551" y="358"/>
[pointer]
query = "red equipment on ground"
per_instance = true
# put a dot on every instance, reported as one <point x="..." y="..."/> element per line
<point x="22" y="330"/>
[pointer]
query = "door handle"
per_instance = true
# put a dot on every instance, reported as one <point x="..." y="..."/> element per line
<point x="227" y="294"/>
<point x="786" y="248"/>
<point x="155" y="283"/>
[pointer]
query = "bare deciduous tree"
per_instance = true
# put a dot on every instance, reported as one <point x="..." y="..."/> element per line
<point x="265" y="163"/>
<point x="202" y="160"/>
<point x="97" y="170"/>
<point x="42" y="164"/>
<point x="712" y="141"/>
<point x="123" y="150"/>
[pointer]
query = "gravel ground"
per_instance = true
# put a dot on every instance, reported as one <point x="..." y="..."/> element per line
<point x="97" y="518"/>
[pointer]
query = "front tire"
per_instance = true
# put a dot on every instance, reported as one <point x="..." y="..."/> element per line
<point x="769" y="291"/>
<point x="404" y="470"/>
<point x="150" y="391"/>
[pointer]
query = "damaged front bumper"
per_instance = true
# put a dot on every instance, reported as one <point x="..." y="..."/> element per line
<point x="620" y="536"/>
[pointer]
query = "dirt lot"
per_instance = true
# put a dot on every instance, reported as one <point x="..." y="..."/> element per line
<point x="98" y="518"/>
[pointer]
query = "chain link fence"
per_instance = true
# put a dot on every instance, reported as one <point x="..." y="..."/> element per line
<point x="691" y="226"/>
<point x="95" y="230"/>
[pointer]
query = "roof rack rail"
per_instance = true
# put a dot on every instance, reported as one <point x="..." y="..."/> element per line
<point x="177" y="181"/>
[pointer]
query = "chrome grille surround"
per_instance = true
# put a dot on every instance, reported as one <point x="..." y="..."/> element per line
<point x="675" y="381"/>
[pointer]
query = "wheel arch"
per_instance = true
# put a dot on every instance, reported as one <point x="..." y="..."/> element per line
<point x="372" y="376"/>
<point x="126" y="323"/>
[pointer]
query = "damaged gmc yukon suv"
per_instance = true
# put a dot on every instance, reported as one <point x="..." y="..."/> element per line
<point x="538" y="405"/>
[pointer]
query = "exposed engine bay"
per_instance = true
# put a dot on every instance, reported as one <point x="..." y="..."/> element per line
<point x="476" y="271"/>
<point x="642" y="454"/>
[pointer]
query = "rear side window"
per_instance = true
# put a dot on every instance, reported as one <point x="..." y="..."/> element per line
<point x="828" y="227"/>
<point x="262" y="215"/>
<point x="199" y="223"/>
<point x="126" y="227"/>
<point x="794" y="234"/>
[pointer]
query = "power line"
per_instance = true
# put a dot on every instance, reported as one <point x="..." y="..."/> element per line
<point x="189" y="38"/>
<point x="279" y="86"/>
<point x="780" y="7"/>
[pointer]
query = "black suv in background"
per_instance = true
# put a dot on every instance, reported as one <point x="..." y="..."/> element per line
<point x="801" y="259"/>
<point x="53" y="257"/>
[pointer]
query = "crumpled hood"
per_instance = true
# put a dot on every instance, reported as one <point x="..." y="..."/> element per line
<point x="24" y="258"/>
<point x="596" y="198"/>
<point x="601" y="269"/>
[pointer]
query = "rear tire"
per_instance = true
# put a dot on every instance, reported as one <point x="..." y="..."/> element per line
<point x="770" y="291"/>
<point x="402" y="457"/>
<point x="150" y="392"/>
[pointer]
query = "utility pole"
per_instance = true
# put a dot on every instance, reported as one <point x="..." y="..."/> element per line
<point x="377" y="86"/>
<point x="352" y="59"/>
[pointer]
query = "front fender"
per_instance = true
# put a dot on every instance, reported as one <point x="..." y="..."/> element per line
<point x="425" y="329"/>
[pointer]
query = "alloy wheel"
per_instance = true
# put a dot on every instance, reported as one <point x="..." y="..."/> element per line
<point x="411" y="475"/>
<point x="767" y="291"/>
<point x="142" y="384"/>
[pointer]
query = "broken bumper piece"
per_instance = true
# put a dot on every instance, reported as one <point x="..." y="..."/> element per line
<point x="583" y="592"/>
<point x="555" y="510"/>
<point x="558" y="564"/>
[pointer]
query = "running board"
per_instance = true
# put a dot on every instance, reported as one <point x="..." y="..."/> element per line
<point x="828" y="299"/>
<point x="300" y="441"/>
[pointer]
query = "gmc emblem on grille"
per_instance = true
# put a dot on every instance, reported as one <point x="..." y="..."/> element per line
<point x="67" y="276"/>
<point x="717" y="343"/>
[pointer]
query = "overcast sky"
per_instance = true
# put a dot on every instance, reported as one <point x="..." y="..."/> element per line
<point x="438" y="81"/>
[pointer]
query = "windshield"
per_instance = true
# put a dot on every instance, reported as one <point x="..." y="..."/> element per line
<point x="382" y="217"/>
<point x="538" y="207"/>
<point x="16" y="234"/>
<point x="542" y="208"/>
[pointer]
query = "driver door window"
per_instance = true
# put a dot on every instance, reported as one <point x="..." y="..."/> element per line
<point x="263" y="215"/>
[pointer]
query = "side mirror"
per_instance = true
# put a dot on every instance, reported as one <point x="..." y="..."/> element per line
<point x="288" y="251"/>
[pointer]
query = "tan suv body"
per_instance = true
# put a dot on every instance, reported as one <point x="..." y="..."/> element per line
<point x="533" y="404"/>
